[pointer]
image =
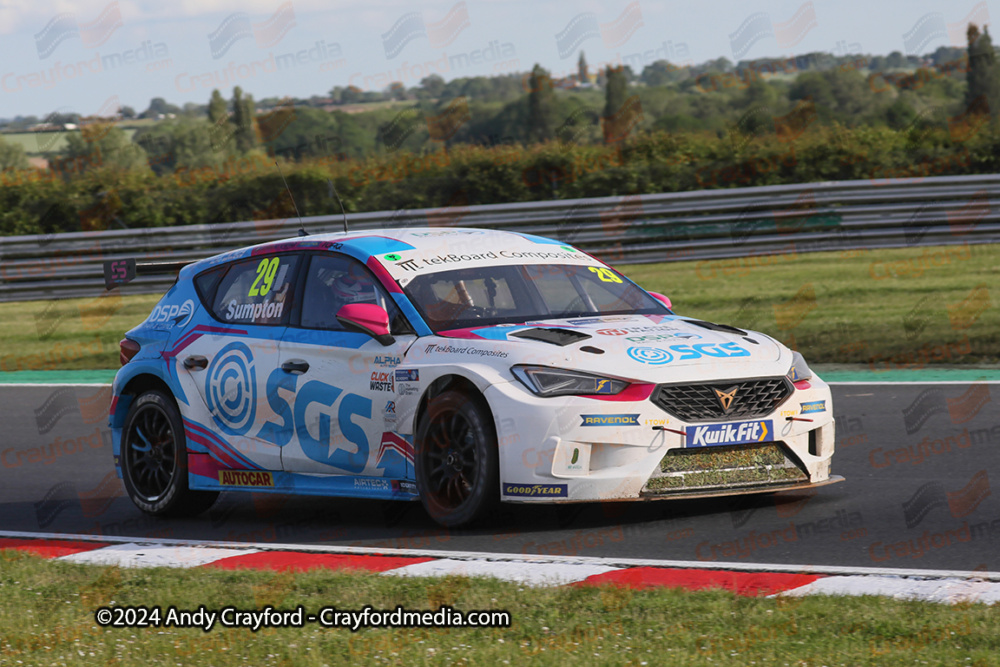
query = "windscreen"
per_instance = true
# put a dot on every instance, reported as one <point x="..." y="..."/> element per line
<point x="488" y="295"/>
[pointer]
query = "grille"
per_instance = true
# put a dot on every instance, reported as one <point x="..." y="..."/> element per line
<point x="731" y="467"/>
<point x="700" y="402"/>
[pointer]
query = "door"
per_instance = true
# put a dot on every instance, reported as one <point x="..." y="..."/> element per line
<point x="338" y="413"/>
<point x="229" y="363"/>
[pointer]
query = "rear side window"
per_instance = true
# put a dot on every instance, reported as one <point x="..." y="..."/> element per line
<point x="206" y="283"/>
<point x="257" y="291"/>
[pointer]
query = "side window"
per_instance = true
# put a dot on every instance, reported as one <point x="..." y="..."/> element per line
<point x="206" y="283"/>
<point x="334" y="281"/>
<point x="257" y="291"/>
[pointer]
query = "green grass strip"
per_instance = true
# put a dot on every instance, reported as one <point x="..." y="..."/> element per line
<point x="880" y="311"/>
<point x="47" y="618"/>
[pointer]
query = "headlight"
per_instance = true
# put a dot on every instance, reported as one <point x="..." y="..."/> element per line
<point x="559" y="382"/>
<point x="800" y="369"/>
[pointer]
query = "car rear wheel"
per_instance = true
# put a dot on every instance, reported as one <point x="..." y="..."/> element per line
<point x="154" y="459"/>
<point x="456" y="460"/>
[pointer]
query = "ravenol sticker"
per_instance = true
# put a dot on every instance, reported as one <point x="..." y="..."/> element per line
<point x="536" y="490"/>
<point x="245" y="478"/>
<point x="407" y="375"/>
<point x="610" y="420"/>
<point x="740" y="433"/>
<point x="813" y="406"/>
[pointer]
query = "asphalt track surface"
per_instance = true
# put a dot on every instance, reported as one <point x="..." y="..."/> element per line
<point x="919" y="461"/>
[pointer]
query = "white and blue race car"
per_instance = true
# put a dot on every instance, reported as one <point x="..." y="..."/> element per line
<point x="463" y="367"/>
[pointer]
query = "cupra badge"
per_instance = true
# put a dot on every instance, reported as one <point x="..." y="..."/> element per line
<point x="726" y="397"/>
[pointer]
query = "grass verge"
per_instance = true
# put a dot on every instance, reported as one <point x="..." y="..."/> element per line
<point x="888" y="309"/>
<point x="47" y="618"/>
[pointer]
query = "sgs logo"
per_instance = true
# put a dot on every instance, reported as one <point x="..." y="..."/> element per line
<point x="699" y="350"/>
<point x="292" y="413"/>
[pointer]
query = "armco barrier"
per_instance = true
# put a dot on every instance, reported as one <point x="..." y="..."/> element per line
<point x="705" y="224"/>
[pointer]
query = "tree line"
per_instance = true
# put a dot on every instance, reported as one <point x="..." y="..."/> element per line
<point x="514" y="138"/>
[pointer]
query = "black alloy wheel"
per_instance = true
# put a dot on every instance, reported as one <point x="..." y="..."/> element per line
<point x="154" y="459"/>
<point x="456" y="460"/>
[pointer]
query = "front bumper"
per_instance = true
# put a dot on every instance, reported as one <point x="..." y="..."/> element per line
<point x="577" y="449"/>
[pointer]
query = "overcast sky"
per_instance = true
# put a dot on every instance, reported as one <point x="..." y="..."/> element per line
<point x="89" y="55"/>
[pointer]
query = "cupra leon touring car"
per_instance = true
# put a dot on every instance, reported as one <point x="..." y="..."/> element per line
<point x="463" y="367"/>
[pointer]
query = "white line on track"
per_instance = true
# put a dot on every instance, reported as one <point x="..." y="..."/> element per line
<point x="154" y="555"/>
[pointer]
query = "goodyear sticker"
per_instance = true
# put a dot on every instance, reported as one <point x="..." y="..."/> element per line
<point x="610" y="420"/>
<point x="813" y="406"/>
<point x="536" y="490"/>
<point x="740" y="433"/>
<point x="245" y="478"/>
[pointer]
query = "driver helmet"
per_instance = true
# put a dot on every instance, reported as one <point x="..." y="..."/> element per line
<point x="354" y="289"/>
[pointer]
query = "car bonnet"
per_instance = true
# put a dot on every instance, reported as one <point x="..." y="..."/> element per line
<point x="649" y="348"/>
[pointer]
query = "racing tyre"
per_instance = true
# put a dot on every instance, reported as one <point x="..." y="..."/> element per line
<point x="456" y="460"/>
<point x="154" y="459"/>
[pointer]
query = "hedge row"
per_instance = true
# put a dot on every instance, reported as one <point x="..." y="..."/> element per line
<point x="85" y="195"/>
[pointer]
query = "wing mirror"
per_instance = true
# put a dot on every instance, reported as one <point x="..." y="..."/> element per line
<point x="368" y="319"/>
<point x="664" y="299"/>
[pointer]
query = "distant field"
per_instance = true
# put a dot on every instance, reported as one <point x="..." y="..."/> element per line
<point x="887" y="309"/>
<point x="43" y="143"/>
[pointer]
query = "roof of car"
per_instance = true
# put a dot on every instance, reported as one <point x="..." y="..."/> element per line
<point x="398" y="255"/>
<point x="409" y="238"/>
<point x="380" y="242"/>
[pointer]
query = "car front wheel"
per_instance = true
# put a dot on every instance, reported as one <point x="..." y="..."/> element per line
<point x="154" y="459"/>
<point x="456" y="460"/>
